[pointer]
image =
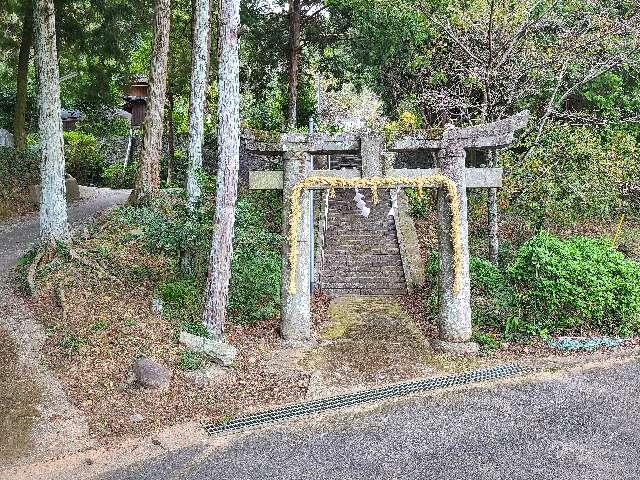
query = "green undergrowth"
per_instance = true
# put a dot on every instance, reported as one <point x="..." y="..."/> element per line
<point x="552" y="286"/>
<point x="167" y="228"/>
<point x="182" y="302"/>
<point x="18" y="170"/>
<point x="190" y="360"/>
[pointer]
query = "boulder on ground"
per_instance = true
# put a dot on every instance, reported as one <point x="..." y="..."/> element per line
<point x="150" y="374"/>
<point x="71" y="186"/>
<point x="220" y="352"/>
<point x="6" y="138"/>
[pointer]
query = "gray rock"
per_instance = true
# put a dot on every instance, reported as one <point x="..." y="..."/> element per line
<point x="71" y="186"/>
<point x="6" y="138"/>
<point x="136" y="418"/>
<point x="220" y="352"/>
<point x="150" y="374"/>
<point x="156" y="306"/>
<point x="197" y="378"/>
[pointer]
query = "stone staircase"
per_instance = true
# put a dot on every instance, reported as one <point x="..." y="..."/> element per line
<point x="361" y="255"/>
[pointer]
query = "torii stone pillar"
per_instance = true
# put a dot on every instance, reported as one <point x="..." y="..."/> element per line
<point x="455" y="308"/>
<point x="296" y="308"/>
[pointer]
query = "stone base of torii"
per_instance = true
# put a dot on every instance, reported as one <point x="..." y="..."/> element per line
<point x="297" y="151"/>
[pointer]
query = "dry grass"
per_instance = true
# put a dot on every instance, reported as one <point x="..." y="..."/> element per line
<point x="107" y="325"/>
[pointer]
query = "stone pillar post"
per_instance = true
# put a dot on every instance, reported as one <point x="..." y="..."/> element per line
<point x="296" y="308"/>
<point x="371" y="148"/>
<point x="388" y="162"/>
<point x="455" y="308"/>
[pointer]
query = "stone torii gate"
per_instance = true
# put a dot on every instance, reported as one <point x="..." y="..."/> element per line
<point x="297" y="151"/>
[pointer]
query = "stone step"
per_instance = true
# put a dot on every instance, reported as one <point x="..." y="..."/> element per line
<point x="337" y="292"/>
<point x="361" y="254"/>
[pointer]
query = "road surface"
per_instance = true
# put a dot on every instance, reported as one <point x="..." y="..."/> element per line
<point x="578" y="425"/>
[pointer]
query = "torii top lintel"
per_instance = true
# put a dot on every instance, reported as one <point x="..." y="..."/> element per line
<point x="492" y="135"/>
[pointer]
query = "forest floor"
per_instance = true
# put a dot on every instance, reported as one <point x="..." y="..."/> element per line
<point x="82" y="349"/>
<point x="37" y="419"/>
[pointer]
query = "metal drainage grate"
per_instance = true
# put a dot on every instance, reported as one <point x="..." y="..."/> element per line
<point x="332" y="403"/>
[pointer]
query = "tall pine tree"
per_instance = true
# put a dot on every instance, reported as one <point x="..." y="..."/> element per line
<point x="217" y="288"/>
<point x="148" y="178"/>
<point x="53" y="205"/>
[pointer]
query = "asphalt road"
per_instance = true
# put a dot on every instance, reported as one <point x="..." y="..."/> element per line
<point x="578" y="425"/>
<point x="17" y="235"/>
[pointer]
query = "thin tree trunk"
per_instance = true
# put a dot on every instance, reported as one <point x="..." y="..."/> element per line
<point x="294" y="61"/>
<point x="171" y="140"/>
<point x="53" y="204"/>
<point x="492" y="214"/>
<point x="197" y="99"/>
<point x="148" y="178"/>
<point x="22" y="77"/>
<point x="217" y="289"/>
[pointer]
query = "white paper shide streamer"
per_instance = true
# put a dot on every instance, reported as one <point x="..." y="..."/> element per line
<point x="394" y="202"/>
<point x="362" y="206"/>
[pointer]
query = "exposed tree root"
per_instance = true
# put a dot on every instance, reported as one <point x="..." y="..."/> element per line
<point x="60" y="299"/>
<point x="31" y="274"/>
<point x="84" y="258"/>
<point x="49" y="251"/>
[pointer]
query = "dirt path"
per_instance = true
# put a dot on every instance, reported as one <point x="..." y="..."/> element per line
<point x="36" y="419"/>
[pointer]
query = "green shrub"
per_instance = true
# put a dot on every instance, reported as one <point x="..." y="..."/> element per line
<point x="119" y="176"/>
<point x="574" y="284"/>
<point x="492" y="297"/>
<point x="257" y="263"/>
<point x="190" y="361"/>
<point x="179" y="165"/>
<point x="82" y="159"/>
<point x="170" y="229"/>
<point x="167" y="228"/>
<point x="485" y="340"/>
<point x="419" y="206"/>
<point x="100" y="124"/>
<point x="571" y="174"/>
<point x="182" y="302"/>
<point x="553" y="286"/>
<point x="255" y="285"/>
<point x="19" y="168"/>
<point x="178" y="294"/>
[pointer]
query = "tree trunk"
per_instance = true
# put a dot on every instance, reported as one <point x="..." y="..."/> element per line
<point x="197" y="99"/>
<point x="53" y="204"/>
<point x="294" y="61"/>
<point x="171" y="140"/>
<point x="148" y="178"/>
<point x="217" y="288"/>
<point x="22" y="78"/>
<point x="492" y="214"/>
